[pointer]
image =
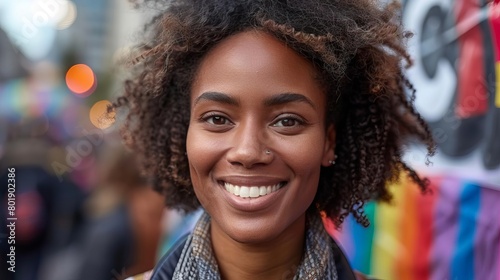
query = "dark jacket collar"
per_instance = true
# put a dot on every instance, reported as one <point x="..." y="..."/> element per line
<point x="166" y="266"/>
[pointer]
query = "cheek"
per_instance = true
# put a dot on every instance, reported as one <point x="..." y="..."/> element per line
<point x="199" y="162"/>
<point x="304" y="154"/>
<point x="196" y="152"/>
<point x="203" y="154"/>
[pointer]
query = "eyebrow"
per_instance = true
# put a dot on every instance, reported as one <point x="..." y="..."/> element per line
<point x="279" y="99"/>
<point x="287" y="97"/>
<point x="217" y="97"/>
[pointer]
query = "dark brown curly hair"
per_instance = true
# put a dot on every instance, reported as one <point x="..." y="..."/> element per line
<point x="359" y="48"/>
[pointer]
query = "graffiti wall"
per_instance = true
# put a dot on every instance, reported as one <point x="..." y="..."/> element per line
<point x="456" y="49"/>
<point x="454" y="233"/>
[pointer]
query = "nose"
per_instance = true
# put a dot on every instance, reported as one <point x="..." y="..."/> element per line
<point x="249" y="146"/>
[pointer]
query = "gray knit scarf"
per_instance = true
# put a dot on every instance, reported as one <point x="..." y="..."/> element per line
<point x="197" y="261"/>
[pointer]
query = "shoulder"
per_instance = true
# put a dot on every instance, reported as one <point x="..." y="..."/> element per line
<point x="165" y="268"/>
<point x="143" y="276"/>
<point x="344" y="270"/>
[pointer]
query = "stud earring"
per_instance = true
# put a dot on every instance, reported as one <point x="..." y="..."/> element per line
<point x="267" y="152"/>
<point x="332" y="162"/>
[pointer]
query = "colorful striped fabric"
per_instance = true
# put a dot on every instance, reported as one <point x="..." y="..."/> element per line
<point x="453" y="233"/>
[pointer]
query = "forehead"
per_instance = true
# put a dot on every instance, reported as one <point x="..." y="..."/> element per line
<point x="254" y="61"/>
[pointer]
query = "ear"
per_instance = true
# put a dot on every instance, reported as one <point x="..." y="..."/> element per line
<point x="329" y="146"/>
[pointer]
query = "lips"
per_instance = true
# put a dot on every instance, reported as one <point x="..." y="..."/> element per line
<point x="243" y="193"/>
<point x="251" y="191"/>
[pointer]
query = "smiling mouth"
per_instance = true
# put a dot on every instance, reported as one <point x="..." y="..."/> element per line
<point x="252" y="191"/>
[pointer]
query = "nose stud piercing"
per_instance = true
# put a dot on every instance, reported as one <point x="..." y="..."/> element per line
<point x="267" y="152"/>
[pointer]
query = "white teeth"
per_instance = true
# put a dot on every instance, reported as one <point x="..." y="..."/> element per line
<point x="229" y="188"/>
<point x="250" y="191"/>
<point x="244" y="192"/>
<point x="262" y="191"/>
<point x="254" y="192"/>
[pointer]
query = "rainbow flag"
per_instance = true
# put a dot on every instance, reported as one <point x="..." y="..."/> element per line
<point x="453" y="233"/>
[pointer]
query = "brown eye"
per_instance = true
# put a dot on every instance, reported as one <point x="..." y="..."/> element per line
<point x="217" y="120"/>
<point x="287" y="122"/>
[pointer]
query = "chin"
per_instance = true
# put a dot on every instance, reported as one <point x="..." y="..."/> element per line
<point x="252" y="235"/>
<point x="257" y="230"/>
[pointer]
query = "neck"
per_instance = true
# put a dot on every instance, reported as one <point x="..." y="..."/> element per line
<point x="274" y="259"/>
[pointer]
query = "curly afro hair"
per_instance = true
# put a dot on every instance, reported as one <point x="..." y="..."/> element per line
<point x="359" y="48"/>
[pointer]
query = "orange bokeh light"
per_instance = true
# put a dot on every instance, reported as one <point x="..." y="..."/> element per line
<point x="80" y="78"/>
<point x="99" y="116"/>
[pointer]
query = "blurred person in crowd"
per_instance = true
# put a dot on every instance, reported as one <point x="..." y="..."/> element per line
<point x="123" y="224"/>
<point x="270" y="115"/>
<point x="47" y="208"/>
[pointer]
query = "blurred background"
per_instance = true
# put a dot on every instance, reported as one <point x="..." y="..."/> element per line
<point x="84" y="211"/>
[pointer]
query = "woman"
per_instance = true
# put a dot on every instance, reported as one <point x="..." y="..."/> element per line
<point x="269" y="114"/>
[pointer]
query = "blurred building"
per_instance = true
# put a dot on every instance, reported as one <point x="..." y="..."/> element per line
<point x="13" y="62"/>
<point x="91" y="31"/>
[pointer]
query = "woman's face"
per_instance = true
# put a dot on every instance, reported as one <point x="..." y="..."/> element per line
<point x="253" y="94"/>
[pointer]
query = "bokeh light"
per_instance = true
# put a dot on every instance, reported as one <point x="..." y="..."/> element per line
<point x="99" y="116"/>
<point x="81" y="80"/>
<point x="69" y="18"/>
